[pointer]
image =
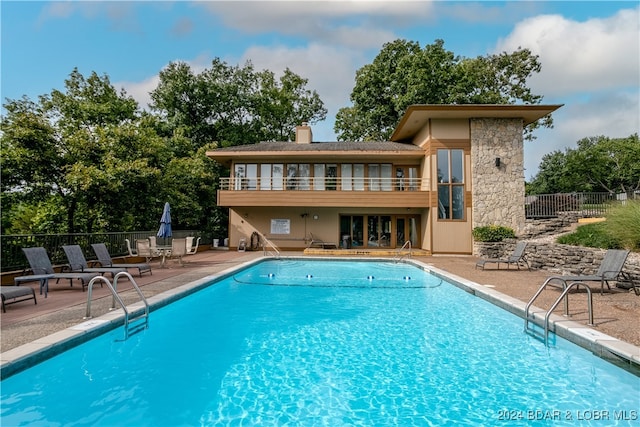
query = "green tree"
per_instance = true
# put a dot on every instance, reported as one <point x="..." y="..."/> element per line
<point x="403" y="74"/>
<point x="233" y="105"/>
<point x="607" y="164"/>
<point x="597" y="164"/>
<point x="85" y="150"/>
<point x="552" y="176"/>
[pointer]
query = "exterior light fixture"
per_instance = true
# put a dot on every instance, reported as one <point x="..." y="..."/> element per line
<point x="497" y="162"/>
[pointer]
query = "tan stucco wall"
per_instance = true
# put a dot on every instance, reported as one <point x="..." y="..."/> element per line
<point x="244" y="221"/>
<point x="450" y="128"/>
<point x="498" y="192"/>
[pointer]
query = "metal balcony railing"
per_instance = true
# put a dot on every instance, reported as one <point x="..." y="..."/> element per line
<point x="324" y="184"/>
<point x="585" y="204"/>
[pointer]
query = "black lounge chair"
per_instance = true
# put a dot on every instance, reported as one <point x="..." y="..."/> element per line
<point x="610" y="270"/>
<point x="14" y="294"/>
<point x="78" y="263"/>
<point x="104" y="258"/>
<point x="321" y="244"/>
<point x="517" y="257"/>
<point x="41" y="265"/>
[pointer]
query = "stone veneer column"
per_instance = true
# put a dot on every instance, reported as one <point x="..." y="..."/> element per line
<point x="498" y="192"/>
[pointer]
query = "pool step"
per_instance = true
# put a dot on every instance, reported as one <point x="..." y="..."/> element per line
<point x="363" y="252"/>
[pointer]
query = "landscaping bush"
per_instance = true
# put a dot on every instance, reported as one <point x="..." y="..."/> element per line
<point x="623" y="224"/>
<point x="591" y="235"/>
<point x="493" y="233"/>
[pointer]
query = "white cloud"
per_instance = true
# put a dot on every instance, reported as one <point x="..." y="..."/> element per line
<point x="358" y="24"/>
<point x="140" y="91"/>
<point x="592" y="55"/>
<point x="613" y="115"/>
<point x="592" y="67"/>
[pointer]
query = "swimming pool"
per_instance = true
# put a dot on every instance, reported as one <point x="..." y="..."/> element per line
<point x="301" y="342"/>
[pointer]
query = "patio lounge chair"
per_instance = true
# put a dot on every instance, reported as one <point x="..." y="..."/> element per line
<point x="178" y="249"/>
<point x="104" y="258"/>
<point x="318" y="243"/>
<point x="41" y="265"/>
<point x="16" y="294"/>
<point x="78" y="263"/>
<point x="191" y="248"/>
<point x="143" y="248"/>
<point x="131" y="251"/>
<point x="517" y="257"/>
<point x="610" y="270"/>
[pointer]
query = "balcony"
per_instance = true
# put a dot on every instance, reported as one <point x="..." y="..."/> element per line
<point x="325" y="192"/>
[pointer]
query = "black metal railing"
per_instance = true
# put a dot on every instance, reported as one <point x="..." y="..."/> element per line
<point x="13" y="258"/>
<point x="584" y="204"/>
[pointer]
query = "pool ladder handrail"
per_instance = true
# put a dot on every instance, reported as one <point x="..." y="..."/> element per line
<point x="566" y="288"/>
<point x="266" y="243"/>
<point x="144" y="315"/>
<point x="399" y="255"/>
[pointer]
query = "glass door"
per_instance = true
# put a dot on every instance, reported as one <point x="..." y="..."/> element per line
<point x="407" y="229"/>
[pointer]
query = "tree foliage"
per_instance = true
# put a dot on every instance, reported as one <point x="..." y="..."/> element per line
<point x="233" y="105"/>
<point x="403" y="74"/>
<point x="87" y="149"/>
<point x="87" y="159"/>
<point x="598" y="164"/>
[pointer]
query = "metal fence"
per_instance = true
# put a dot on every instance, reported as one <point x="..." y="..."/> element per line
<point x="13" y="258"/>
<point x="584" y="204"/>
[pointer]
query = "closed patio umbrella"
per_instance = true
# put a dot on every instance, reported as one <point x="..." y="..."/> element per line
<point x="165" y="222"/>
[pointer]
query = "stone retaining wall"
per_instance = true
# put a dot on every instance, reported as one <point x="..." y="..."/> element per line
<point x="550" y="226"/>
<point x="556" y="258"/>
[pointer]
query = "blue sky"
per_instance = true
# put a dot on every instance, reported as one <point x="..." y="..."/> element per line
<point x="589" y="50"/>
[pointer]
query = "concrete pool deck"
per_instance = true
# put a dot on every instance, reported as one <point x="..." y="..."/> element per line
<point x="27" y="327"/>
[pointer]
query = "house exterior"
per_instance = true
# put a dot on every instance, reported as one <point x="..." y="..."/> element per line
<point x="446" y="170"/>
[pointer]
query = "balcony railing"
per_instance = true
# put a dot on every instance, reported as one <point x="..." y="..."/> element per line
<point x="324" y="184"/>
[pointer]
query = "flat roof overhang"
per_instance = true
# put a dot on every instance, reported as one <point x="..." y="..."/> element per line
<point x="417" y="116"/>
<point x="226" y="157"/>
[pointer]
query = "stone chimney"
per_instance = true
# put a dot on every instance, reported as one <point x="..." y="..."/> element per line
<point x="303" y="134"/>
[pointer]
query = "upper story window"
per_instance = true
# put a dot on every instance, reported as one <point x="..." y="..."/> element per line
<point x="271" y="176"/>
<point x="450" y="184"/>
<point x="380" y="177"/>
<point x="324" y="176"/>
<point x="352" y="177"/>
<point x="298" y="176"/>
<point x="245" y="176"/>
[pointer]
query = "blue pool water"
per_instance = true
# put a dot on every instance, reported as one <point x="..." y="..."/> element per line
<point x="308" y="343"/>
